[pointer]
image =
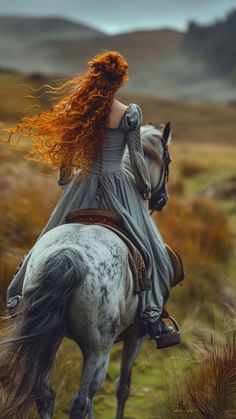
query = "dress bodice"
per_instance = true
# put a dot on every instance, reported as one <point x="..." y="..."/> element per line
<point x="110" y="157"/>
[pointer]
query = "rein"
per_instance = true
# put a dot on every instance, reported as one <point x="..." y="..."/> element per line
<point x="158" y="193"/>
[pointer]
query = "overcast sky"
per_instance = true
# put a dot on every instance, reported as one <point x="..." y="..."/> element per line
<point x="113" y="16"/>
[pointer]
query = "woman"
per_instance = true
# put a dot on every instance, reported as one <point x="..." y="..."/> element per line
<point x="88" y="130"/>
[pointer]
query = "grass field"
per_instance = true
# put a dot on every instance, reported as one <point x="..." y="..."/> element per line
<point x="199" y="221"/>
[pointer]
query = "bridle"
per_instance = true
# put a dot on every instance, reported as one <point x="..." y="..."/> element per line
<point x="159" y="194"/>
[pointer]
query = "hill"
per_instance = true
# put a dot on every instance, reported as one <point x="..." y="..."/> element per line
<point x="53" y="46"/>
<point x="35" y="29"/>
<point x="214" y="44"/>
<point x="20" y="38"/>
<point x="159" y="60"/>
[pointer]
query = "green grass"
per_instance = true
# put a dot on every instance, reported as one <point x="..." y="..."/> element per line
<point x="151" y="374"/>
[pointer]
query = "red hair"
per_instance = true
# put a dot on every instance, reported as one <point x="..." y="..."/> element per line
<point x="73" y="130"/>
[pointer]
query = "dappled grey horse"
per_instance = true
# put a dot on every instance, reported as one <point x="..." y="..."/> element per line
<point x="78" y="283"/>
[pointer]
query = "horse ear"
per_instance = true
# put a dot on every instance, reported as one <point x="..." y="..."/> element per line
<point x="166" y="132"/>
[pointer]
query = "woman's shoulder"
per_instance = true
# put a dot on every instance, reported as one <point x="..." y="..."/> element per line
<point x="132" y="118"/>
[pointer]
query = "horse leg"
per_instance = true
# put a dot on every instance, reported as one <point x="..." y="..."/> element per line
<point x="93" y="375"/>
<point x="130" y="350"/>
<point x="90" y="414"/>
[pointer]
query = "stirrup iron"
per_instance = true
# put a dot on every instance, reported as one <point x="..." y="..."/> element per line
<point x="169" y="339"/>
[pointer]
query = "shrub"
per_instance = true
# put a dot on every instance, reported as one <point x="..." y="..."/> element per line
<point x="212" y="383"/>
<point x="199" y="229"/>
<point x="190" y="168"/>
<point x="200" y="233"/>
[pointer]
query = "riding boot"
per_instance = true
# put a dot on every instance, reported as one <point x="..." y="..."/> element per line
<point x="152" y="316"/>
<point x="158" y="328"/>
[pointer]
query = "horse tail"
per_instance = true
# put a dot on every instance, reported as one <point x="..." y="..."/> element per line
<point x="31" y="342"/>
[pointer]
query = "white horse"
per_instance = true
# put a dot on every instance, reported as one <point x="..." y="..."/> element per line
<point x="78" y="283"/>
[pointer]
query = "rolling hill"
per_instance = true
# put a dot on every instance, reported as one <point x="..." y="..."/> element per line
<point x="158" y="63"/>
<point x="55" y="46"/>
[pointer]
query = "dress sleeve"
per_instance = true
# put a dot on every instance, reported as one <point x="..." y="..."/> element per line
<point x="130" y="124"/>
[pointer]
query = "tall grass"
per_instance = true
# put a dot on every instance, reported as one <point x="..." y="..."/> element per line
<point x="198" y="228"/>
<point x="200" y="232"/>
<point x="28" y="195"/>
<point x="208" y="388"/>
<point x="212" y="384"/>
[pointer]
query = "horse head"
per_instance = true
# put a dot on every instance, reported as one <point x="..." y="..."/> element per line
<point x="155" y="146"/>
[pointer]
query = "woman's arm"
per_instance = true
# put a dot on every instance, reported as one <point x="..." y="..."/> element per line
<point x="138" y="163"/>
<point x="131" y="125"/>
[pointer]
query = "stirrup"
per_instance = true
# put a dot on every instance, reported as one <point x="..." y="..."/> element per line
<point x="169" y="339"/>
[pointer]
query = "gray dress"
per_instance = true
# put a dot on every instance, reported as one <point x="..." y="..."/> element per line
<point x="109" y="185"/>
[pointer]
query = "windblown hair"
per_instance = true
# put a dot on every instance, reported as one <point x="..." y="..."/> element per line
<point x="73" y="130"/>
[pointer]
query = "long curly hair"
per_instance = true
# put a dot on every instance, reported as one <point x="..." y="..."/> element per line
<point x="72" y="131"/>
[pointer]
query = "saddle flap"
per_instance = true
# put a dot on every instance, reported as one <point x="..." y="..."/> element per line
<point x="177" y="264"/>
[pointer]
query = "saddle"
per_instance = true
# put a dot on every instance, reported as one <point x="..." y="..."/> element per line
<point x="113" y="221"/>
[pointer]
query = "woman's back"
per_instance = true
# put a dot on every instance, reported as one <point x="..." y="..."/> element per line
<point x="116" y="114"/>
<point x="110" y="157"/>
